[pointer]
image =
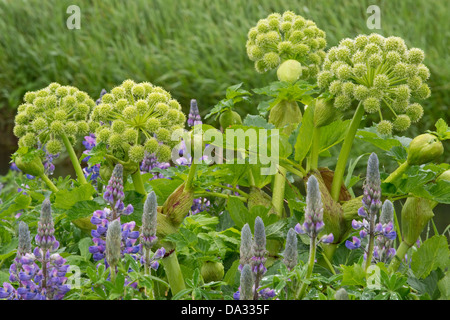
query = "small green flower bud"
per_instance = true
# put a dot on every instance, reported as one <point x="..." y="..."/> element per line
<point x="212" y="271"/>
<point x="39" y="124"/>
<point x="324" y="79"/>
<point x="128" y="85"/>
<point x="371" y="49"/>
<point x="130" y="135"/>
<point x="375" y="60"/>
<point x="163" y="153"/>
<point x="29" y="97"/>
<point x="335" y="87"/>
<point x="403" y="92"/>
<point x="70" y="128"/>
<point x="60" y="115"/>
<point x="118" y="93"/>
<point x="300" y="49"/>
<point x="173" y="115"/>
<point x="260" y="66"/>
<point x="344" y="72"/>
<point x="115" y="141"/>
<point x="415" y="55"/>
<point x="118" y="126"/>
<point x="414" y="83"/>
<point x="361" y="41"/>
<point x="284" y="48"/>
<point x="161" y="108"/>
<point x="402" y="122"/>
<point x="254" y="52"/>
<point x="130" y="112"/>
<point x="371" y="105"/>
<point x="62" y="91"/>
<point x="121" y="104"/>
<point x="271" y="60"/>
<point x="163" y="135"/>
<point x="394" y="44"/>
<point x="252" y="33"/>
<point x="381" y="82"/>
<point x="400" y="69"/>
<point x="82" y="128"/>
<point x="423" y="72"/>
<point x="384" y="127"/>
<point x="138" y="91"/>
<point x="151" y="145"/>
<point x="423" y="92"/>
<point x="83" y="109"/>
<point x="103" y="135"/>
<point x="174" y="104"/>
<point x="69" y="101"/>
<point x="342" y="102"/>
<point x="360" y="92"/>
<point x="54" y="146"/>
<point x="57" y="127"/>
<point x="286" y="26"/>
<point x="392" y="58"/>
<point x="400" y="105"/>
<point x="262" y="26"/>
<point x="414" y="112"/>
<point x="21" y="118"/>
<point x="136" y="153"/>
<point x="153" y="125"/>
<point x="142" y="106"/>
<point x="347" y="88"/>
<point x="28" y="140"/>
<point x="20" y="130"/>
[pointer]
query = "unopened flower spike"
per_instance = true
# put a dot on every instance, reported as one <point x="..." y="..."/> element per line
<point x="148" y="229"/>
<point x="45" y="238"/>
<point x="246" y="246"/>
<point x="380" y="73"/>
<point x="113" y="243"/>
<point x="194" y="115"/>
<point x="290" y="254"/>
<point x="247" y="284"/>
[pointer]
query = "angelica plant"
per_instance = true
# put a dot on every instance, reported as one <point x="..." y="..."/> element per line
<point x="382" y="76"/>
<point x="135" y="118"/>
<point x="53" y="117"/>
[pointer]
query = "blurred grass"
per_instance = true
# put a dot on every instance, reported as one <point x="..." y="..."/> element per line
<point x="193" y="48"/>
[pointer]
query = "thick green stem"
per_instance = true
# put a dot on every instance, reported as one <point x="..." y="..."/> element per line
<point x="312" y="258"/>
<point x="74" y="159"/>
<point x="314" y="156"/>
<point x="48" y="182"/>
<point x="398" y="172"/>
<point x="371" y="243"/>
<point x="399" y="255"/>
<point x="173" y="271"/>
<point x="138" y="183"/>
<point x="279" y="186"/>
<point x="338" y="177"/>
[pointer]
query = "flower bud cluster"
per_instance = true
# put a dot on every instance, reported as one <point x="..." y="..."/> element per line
<point x="49" y="113"/>
<point x="284" y="37"/>
<point x="93" y="171"/>
<point x="382" y="74"/>
<point x="137" y="117"/>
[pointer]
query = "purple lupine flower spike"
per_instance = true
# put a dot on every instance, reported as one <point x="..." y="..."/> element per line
<point x="45" y="238"/>
<point x="194" y="115"/>
<point x="114" y="189"/>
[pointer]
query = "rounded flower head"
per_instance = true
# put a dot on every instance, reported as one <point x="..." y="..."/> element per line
<point x="385" y="74"/>
<point x="279" y="38"/>
<point x="50" y="113"/>
<point x="136" y="117"/>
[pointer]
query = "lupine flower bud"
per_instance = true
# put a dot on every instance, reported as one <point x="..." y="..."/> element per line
<point x="194" y="115"/>
<point x="114" y="189"/>
<point x="113" y="243"/>
<point x="148" y="229"/>
<point x="246" y="246"/>
<point x="45" y="238"/>
<point x="290" y="254"/>
<point x="372" y="186"/>
<point x="259" y="247"/>
<point x="24" y="239"/>
<point x="246" y="280"/>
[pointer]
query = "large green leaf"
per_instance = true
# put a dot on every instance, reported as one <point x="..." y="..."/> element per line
<point x="65" y="199"/>
<point x="432" y="254"/>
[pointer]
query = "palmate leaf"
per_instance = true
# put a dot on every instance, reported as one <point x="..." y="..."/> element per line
<point x="432" y="254"/>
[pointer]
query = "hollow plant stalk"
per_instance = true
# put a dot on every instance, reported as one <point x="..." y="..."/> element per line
<point x="339" y="172"/>
<point x="73" y="158"/>
<point x="279" y="187"/>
